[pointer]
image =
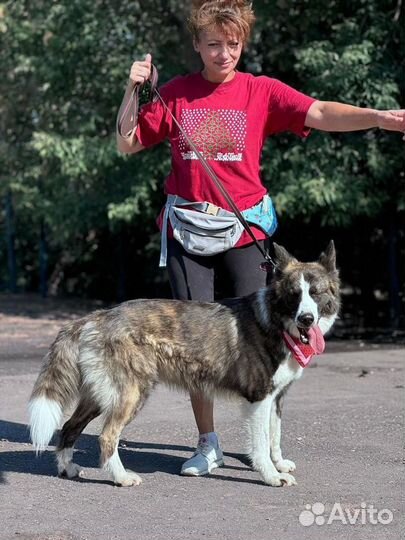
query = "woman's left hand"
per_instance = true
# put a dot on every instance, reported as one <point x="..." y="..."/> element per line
<point x="392" y="120"/>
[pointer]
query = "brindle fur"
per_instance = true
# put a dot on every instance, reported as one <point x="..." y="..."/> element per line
<point x="112" y="359"/>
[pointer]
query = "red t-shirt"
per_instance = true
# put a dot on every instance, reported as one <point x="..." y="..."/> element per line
<point x="229" y="123"/>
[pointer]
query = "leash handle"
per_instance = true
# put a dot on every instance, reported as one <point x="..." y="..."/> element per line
<point x="129" y="115"/>
<point x="131" y="110"/>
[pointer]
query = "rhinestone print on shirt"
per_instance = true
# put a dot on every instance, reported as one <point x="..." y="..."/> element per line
<point x="218" y="134"/>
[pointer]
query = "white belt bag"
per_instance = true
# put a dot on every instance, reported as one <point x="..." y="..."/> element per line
<point x="205" y="231"/>
<point x="209" y="229"/>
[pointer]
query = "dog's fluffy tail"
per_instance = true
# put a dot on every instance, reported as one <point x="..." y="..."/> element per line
<point x="56" y="387"/>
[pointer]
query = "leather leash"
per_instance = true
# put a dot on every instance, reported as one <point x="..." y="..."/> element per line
<point x="132" y="109"/>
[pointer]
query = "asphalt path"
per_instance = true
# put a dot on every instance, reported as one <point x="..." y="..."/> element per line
<point x="342" y="425"/>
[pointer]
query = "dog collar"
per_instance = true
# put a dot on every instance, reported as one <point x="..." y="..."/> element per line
<point x="303" y="352"/>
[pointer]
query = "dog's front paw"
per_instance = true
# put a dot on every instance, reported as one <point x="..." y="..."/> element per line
<point x="281" y="479"/>
<point x="285" y="465"/>
<point x="129" y="479"/>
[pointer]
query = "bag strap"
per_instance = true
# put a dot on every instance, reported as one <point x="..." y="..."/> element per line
<point x="134" y="104"/>
<point x="201" y="206"/>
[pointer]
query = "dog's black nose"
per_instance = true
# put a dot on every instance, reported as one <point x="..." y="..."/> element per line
<point x="306" y="319"/>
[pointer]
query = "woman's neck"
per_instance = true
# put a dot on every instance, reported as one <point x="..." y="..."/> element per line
<point x="215" y="78"/>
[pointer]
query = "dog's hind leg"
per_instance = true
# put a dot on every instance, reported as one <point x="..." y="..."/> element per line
<point x="85" y="412"/>
<point x="123" y="412"/>
<point x="258" y="422"/>
<point x="282" y="465"/>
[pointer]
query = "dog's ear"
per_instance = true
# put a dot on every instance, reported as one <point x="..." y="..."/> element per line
<point x="282" y="256"/>
<point x="328" y="258"/>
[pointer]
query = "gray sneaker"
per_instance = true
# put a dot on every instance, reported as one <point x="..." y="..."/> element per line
<point x="205" y="458"/>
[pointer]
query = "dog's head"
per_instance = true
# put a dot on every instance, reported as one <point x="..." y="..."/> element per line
<point x="306" y="296"/>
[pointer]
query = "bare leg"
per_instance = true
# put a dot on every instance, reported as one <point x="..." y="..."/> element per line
<point x="208" y="455"/>
<point x="282" y="465"/>
<point x="203" y="409"/>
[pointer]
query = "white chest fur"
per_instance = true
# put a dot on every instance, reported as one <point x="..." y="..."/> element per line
<point x="288" y="371"/>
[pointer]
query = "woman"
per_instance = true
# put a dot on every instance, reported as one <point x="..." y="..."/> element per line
<point x="228" y="115"/>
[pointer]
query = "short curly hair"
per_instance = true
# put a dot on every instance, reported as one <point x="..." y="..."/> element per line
<point x="228" y="15"/>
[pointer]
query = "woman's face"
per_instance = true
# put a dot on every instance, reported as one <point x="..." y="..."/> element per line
<point x="220" y="53"/>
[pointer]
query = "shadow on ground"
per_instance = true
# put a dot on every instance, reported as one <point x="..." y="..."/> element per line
<point x="141" y="457"/>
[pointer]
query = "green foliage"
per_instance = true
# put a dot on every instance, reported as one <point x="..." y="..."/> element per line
<point x="65" y="68"/>
<point x="336" y="52"/>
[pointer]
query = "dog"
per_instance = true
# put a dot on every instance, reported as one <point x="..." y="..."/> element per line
<point x="110" y="360"/>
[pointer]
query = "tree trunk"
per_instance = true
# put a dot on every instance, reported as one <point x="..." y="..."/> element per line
<point x="10" y="238"/>
<point x="121" y="259"/>
<point x="394" y="287"/>
<point x="43" y="261"/>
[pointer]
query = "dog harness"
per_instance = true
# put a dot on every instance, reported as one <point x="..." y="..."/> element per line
<point x="303" y="352"/>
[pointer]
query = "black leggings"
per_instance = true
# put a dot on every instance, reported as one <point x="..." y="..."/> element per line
<point x="233" y="273"/>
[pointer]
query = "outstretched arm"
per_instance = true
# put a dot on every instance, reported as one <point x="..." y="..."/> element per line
<point x="333" y="116"/>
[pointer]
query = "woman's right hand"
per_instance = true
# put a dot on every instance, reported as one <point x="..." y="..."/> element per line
<point x="141" y="70"/>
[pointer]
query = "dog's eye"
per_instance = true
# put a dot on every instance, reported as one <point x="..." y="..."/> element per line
<point x="313" y="291"/>
<point x="292" y="291"/>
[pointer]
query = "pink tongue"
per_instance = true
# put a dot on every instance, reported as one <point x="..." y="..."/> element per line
<point x="316" y="339"/>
